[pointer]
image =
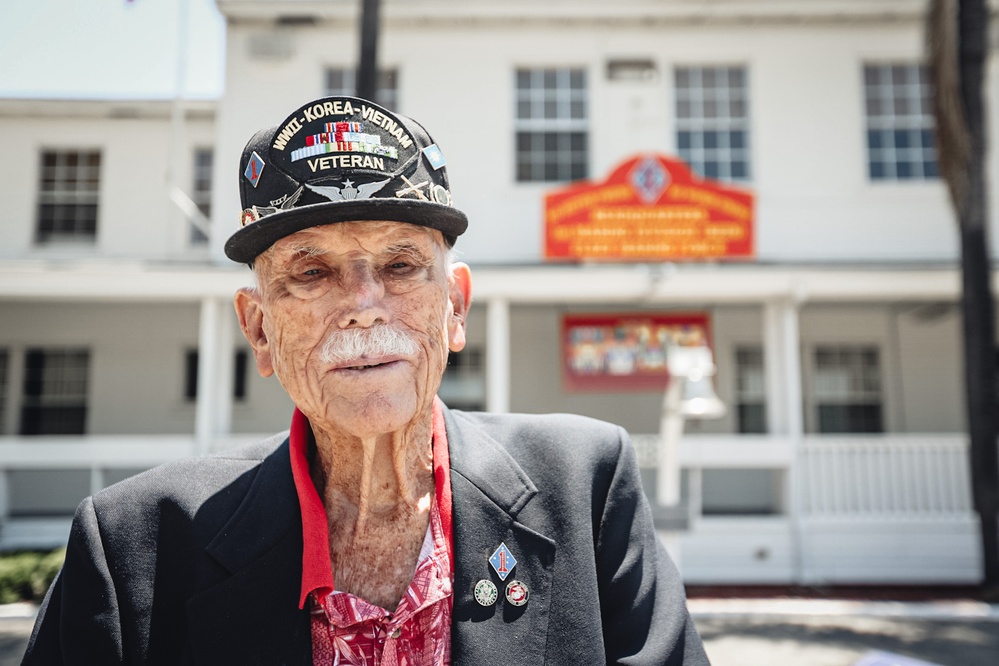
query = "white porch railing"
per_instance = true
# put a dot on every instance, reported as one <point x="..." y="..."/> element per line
<point x="895" y="477"/>
<point x="877" y="477"/>
<point x="885" y="508"/>
<point x="870" y="509"/>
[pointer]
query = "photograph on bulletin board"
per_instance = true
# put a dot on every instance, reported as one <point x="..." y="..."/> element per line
<point x="627" y="351"/>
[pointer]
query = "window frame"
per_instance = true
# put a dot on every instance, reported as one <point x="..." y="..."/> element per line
<point x="240" y="365"/>
<point x="38" y="407"/>
<point x="747" y="398"/>
<point x="386" y="93"/>
<point x="889" y="126"/>
<point x="818" y="398"/>
<point x="201" y="188"/>
<point x="5" y="375"/>
<point x="465" y="367"/>
<point x="544" y="115"/>
<point x="734" y="163"/>
<point x="63" y="187"/>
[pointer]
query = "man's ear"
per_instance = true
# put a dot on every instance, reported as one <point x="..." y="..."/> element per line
<point x="460" y="293"/>
<point x="251" y="322"/>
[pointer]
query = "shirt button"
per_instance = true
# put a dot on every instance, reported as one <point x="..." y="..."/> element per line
<point x="395" y="633"/>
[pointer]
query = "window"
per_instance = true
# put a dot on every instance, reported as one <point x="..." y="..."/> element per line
<point x="900" y="141"/>
<point x="551" y="129"/>
<point x="712" y="121"/>
<point x="847" y="389"/>
<point x="201" y="190"/>
<point x="55" y="391"/>
<point x="67" y="195"/>
<point x="343" y="81"/>
<point x="3" y="390"/>
<point x="191" y="375"/>
<point x="750" y="390"/>
<point x="464" y="382"/>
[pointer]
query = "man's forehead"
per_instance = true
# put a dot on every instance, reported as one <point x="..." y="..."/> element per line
<point x="348" y="237"/>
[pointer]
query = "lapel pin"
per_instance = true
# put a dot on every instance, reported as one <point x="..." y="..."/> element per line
<point x="517" y="593"/>
<point x="486" y="593"/>
<point x="503" y="561"/>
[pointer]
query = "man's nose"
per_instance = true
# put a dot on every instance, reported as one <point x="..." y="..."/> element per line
<point x="363" y="299"/>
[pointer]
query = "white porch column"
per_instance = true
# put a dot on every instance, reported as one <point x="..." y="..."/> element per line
<point x="213" y="412"/>
<point x="773" y="368"/>
<point x="782" y="359"/>
<point x="225" y="367"/>
<point x="498" y="356"/>
<point x="792" y="371"/>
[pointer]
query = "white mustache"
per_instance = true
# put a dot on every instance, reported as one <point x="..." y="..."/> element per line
<point x="354" y="344"/>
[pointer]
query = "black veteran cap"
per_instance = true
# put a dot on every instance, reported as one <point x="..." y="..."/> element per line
<point x="340" y="159"/>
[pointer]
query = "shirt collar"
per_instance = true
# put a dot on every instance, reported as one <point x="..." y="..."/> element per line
<point x="317" y="569"/>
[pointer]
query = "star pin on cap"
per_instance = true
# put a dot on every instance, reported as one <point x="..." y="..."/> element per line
<point x="340" y="159"/>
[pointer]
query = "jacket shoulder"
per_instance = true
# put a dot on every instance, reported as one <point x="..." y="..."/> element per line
<point x="181" y="487"/>
<point x="550" y="445"/>
<point x="560" y="429"/>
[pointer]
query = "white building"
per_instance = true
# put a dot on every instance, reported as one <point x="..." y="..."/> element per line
<point x="842" y="456"/>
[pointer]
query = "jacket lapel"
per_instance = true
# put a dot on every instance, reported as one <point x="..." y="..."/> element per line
<point x="489" y="490"/>
<point x="252" y="616"/>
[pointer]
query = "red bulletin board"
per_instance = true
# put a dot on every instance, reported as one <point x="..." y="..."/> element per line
<point x="625" y="351"/>
<point x="651" y="207"/>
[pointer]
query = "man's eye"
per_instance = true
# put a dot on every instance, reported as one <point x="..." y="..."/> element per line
<point x="312" y="272"/>
<point x="398" y="265"/>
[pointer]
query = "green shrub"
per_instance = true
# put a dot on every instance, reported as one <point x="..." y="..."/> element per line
<point x="26" y="576"/>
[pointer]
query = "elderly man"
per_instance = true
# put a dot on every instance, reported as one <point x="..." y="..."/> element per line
<point x="382" y="528"/>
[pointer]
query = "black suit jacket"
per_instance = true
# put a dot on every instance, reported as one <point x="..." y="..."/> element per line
<point x="199" y="561"/>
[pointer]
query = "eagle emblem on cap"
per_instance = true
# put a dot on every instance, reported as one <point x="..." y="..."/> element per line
<point x="348" y="192"/>
<point x="254" y="213"/>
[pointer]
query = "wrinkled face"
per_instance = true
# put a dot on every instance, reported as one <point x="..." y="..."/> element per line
<point x="356" y="319"/>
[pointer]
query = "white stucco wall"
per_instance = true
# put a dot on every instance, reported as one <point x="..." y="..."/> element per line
<point x="815" y="201"/>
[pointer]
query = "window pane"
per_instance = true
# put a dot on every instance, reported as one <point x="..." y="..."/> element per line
<point x="898" y="121"/>
<point x="847" y="389"/>
<point x="67" y="196"/>
<point x="3" y="390"/>
<point x="240" y="360"/>
<point x="343" y="81"/>
<point x="712" y="117"/>
<point x="54" y="394"/>
<point x="752" y="419"/>
<point x="550" y="124"/>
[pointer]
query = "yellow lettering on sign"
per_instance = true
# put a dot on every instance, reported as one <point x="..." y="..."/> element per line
<point x="648" y="214"/>
<point x="710" y="199"/>
<point x="573" y="205"/>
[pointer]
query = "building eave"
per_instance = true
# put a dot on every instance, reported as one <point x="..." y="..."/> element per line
<point x="651" y="284"/>
<point x="643" y="12"/>
<point x="118" y="109"/>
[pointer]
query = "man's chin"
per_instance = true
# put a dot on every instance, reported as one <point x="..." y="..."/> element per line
<point x="376" y="413"/>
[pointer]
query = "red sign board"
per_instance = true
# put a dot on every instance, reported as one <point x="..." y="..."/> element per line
<point x="627" y="351"/>
<point x="651" y="207"/>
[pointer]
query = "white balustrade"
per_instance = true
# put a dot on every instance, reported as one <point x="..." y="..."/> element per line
<point x="865" y="477"/>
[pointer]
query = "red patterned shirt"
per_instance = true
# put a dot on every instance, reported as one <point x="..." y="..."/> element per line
<point x="349" y="630"/>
